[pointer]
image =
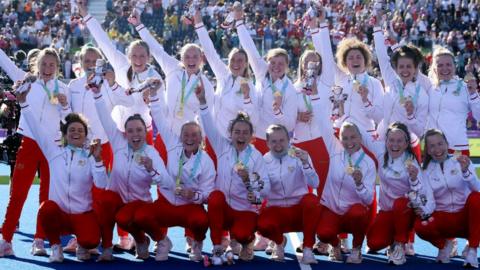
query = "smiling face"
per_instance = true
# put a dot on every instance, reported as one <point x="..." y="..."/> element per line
<point x="76" y="134"/>
<point x="191" y="137"/>
<point x="238" y="64"/>
<point x="406" y="69"/>
<point x="139" y="58"/>
<point x="445" y="67"/>
<point x="396" y="143"/>
<point x="277" y="66"/>
<point x="48" y="67"/>
<point x="135" y="132"/>
<point x="278" y="142"/>
<point x="355" y="61"/>
<point x="241" y="135"/>
<point x="192" y="59"/>
<point x="311" y="57"/>
<point x="350" y="139"/>
<point x="437" y="147"/>
<point x="89" y="60"/>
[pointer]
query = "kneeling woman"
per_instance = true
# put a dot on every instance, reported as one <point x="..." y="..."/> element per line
<point x="455" y="188"/>
<point x="349" y="189"/>
<point x="290" y="207"/>
<point x="72" y="174"/>
<point x="136" y="165"/>
<point x="242" y="181"/>
<point x="194" y="172"/>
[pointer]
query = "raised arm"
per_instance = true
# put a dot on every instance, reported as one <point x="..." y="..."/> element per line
<point x="321" y="114"/>
<point x="322" y="44"/>
<point x="389" y="75"/>
<point x="115" y="93"/>
<point x="259" y="66"/>
<point x="159" y="115"/>
<point x="159" y="174"/>
<point x="207" y="180"/>
<point x="219" y="68"/>
<point x="13" y="72"/>
<point x="114" y="135"/>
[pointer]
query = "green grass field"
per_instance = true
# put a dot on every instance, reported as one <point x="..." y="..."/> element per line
<point x="5" y="179"/>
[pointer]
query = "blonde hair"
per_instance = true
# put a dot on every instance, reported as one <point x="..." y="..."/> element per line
<point x="301" y="63"/>
<point x="437" y="52"/>
<point x="86" y="49"/>
<point x="137" y="42"/>
<point x="189" y="46"/>
<point x="346" y="125"/>
<point x="348" y="44"/>
<point x="247" y="73"/>
<point x="42" y="54"/>
<point x="277" y="52"/>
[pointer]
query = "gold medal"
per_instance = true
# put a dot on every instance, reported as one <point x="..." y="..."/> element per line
<point x="54" y="100"/>
<point x="137" y="157"/>
<point x="456" y="154"/>
<point x="408" y="162"/>
<point x="402" y="101"/>
<point x="277" y="94"/>
<point x="349" y="170"/>
<point x="243" y="81"/>
<point x="356" y="85"/>
<point x="178" y="190"/>
<point x="180" y="114"/>
<point x="239" y="166"/>
<point x="291" y="151"/>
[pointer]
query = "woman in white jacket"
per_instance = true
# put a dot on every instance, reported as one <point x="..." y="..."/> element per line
<point x="194" y="174"/>
<point x="136" y="166"/>
<point x="242" y="182"/>
<point x="455" y="188"/>
<point x="69" y="208"/>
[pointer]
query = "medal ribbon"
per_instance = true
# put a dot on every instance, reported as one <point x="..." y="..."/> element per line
<point x="193" y="171"/>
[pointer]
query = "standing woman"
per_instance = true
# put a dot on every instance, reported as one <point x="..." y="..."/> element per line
<point x="277" y="101"/>
<point x="349" y="191"/>
<point x="399" y="173"/>
<point x="182" y="77"/>
<point x="194" y="174"/>
<point x="235" y="90"/>
<point x="136" y="166"/>
<point x="131" y="70"/>
<point x="456" y="197"/>
<point x="450" y="101"/>
<point x="48" y="101"/>
<point x="242" y="181"/>
<point x="406" y="100"/>
<point x="73" y="173"/>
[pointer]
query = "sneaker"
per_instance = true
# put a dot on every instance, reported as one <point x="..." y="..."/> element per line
<point x="82" y="254"/>
<point x="57" y="254"/>
<point x="278" y="253"/>
<point x="38" y="248"/>
<point x="465" y="251"/>
<point x="321" y="248"/>
<point x="217" y="255"/>
<point x="271" y="246"/>
<point x="246" y="254"/>
<point x="397" y="255"/>
<point x="71" y="246"/>
<point x="409" y="250"/>
<point x="196" y="251"/>
<point x="6" y="249"/>
<point x="454" y="251"/>
<point x="471" y="260"/>
<point x="142" y="249"/>
<point x="226" y="242"/>
<point x="444" y="253"/>
<point x="94" y="251"/>
<point x="308" y="257"/>
<point x="261" y="242"/>
<point x="335" y="254"/>
<point x="344" y="246"/>
<point x="106" y="256"/>
<point x="234" y="247"/>
<point x="188" y="244"/>
<point x="163" y="247"/>
<point x="125" y="243"/>
<point x="355" y="256"/>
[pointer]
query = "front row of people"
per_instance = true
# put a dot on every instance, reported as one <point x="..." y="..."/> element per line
<point x="447" y="187"/>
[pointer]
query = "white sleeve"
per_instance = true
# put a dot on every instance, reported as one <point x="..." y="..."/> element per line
<point x="310" y="174"/>
<point x="159" y="174"/>
<point x="13" y="72"/>
<point x="287" y="115"/>
<point x="474" y="103"/>
<point x="417" y="122"/>
<point x="250" y="105"/>
<point x="389" y="75"/>
<point x="259" y="66"/>
<point x="116" y="58"/>
<point x="117" y="95"/>
<point x="374" y="108"/>
<point x="114" y="135"/>
<point x="220" y="70"/>
<point x="207" y="180"/>
<point x="100" y="178"/>
<point x="47" y="145"/>
<point x="321" y="115"/>
<point x="472" y="179"/>
<point x="260" y="168"/>
<point x="159" y="114"/>
<point x="219" y="143"/>
<point x="365" y="190"/>
<point x="321" y="42"/>
<point x="166" y="62"/>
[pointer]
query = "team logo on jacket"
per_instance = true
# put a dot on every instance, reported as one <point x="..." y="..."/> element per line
<point x="454" y="171"/>
<point x="81" y="162"/>
<point x="291" y="168"/>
